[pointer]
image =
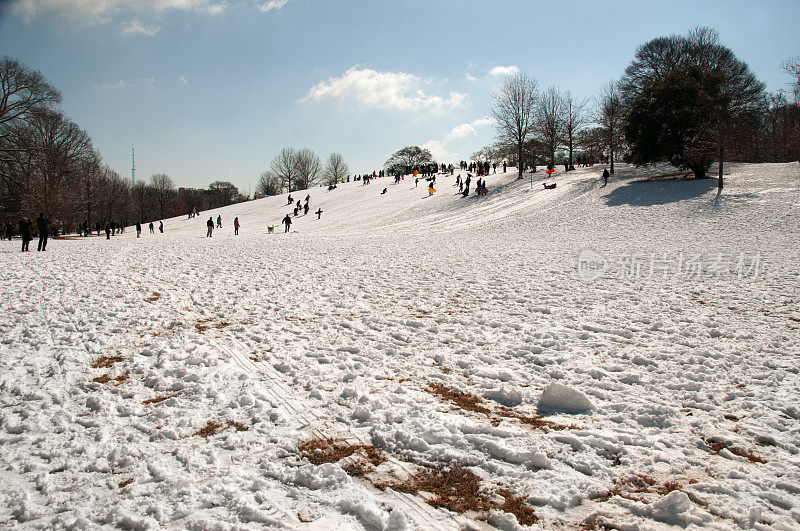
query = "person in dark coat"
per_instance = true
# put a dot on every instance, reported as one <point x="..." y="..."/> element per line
<point x="152" y="228"/>
<point x="236" y="226"/>
<point x="9" y="231"/>
<point x="25" y="232"/>
<point x="43" y="226"/>
<point x="138" y="229"/>
<point x="288" y="222"/>
<point x="161" y="227"/>
<point x="605" y="176"/>
<point x="319" y="213"/>
<point x="108" y="230"/>
<point x="289" y="200"/>
<point x="210" y="225"/>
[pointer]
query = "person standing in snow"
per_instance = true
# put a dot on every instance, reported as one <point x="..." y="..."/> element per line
<point x="108" y="230"/>
<point x="43" y="226"/>
<point x="236" y="226"/>
<point x="161" y="227"/>
<point x="290" y="200"/>
<point x="138" y="229"/>
<point x="319" y="213"/>
<point x="152" y="228"/>
<point x="288" y="222"/>
<point x="24" y="226"/>
<point x="305" y="209"/>
<point x="605" y="177"/>
<point x="210" y="225"/>
<point x="219" y="221"/>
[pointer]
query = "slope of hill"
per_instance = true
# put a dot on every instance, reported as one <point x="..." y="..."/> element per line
<point x="602" y="356"/>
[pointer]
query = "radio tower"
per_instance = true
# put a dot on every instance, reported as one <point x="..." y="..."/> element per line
<point x="133" y="166"/>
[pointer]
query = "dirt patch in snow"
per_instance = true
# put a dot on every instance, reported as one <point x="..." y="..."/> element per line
<point x="476" y="404"/>
<point x="364" y="457"/>
<point x="153" y="297"/>
<point x="461" y="490"/>
<point x="715" y="446"/>
<point x="106" y="378"/>
<point x="158" y="399"/>
<point x="104" y="362"/>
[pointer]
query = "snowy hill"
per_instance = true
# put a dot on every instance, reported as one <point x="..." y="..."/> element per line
<point x="621" y="355"/>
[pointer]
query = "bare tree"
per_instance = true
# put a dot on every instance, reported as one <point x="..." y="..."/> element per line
<point x="61" y="148"/>
<point x="164" y="193"/>
<point x="610" y="116"/>
<point x="514" y="114"/>
<point x="284" y="167"/>
<point x="307" y="167"/>
<point x="550" y="121"/>
<point x="576" y="117"/>
<point x="268" y="184"/>
<point x="142" y="196"/>
<point x="22" y="91"/>
<point x="335" y="169"/>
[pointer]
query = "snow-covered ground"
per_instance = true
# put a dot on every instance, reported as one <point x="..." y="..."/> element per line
<point x="436" y="341"/>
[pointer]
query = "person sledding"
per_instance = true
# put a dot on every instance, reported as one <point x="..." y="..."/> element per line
<point x="431" y="189"/>
<point x="549" y="186"/>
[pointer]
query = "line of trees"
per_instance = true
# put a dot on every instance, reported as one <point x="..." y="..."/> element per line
<point x="687" y="100"/>
<point x="294" y="169"/>
<point x="49" y="164"/>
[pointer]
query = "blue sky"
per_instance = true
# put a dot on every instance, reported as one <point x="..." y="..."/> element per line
<point x="212" y="89"/>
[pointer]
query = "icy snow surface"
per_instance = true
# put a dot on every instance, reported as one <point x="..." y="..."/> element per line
<point x="380" y="324"/>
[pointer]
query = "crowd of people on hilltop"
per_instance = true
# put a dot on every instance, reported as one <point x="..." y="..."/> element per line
<point x="43" y="228"/>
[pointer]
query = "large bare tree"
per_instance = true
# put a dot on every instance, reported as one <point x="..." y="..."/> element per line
<point x="164" y="193"/>
<point x="284" y="167"/>
<point x="576" y="117"/>
<point x="611" y="116"/>
<point x="335" y="169"/>
<point x="550" y="121"/>
<point x="514" y="114"/>
<point x="307" y="167"/>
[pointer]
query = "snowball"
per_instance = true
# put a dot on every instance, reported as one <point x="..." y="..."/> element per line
<point x="564" y="398"/>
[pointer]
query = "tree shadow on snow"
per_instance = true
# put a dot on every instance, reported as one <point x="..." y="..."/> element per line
<point x="651" y="193"/>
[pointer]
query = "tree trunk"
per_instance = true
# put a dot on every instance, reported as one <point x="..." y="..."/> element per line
<point x="721" y="158"/>
<point x="612" y="162"/>
<point x="519" y="163"/>
<point x="569" y="162"/>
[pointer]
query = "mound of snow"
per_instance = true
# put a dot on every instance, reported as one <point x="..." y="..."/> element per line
<point x="564" y="398"/>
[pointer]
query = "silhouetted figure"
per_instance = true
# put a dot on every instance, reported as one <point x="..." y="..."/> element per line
<point x="25" y="232"/>
<point x="605" y="177"/>
<point x="288" y="222"/>
<point x="236" y="226"/>
<point x="210" y="225"/>
<point x="43" y="226"/>
<point x="108" y="230"/>
<point x="319" y="213"/>
<point x="138" y="230"/>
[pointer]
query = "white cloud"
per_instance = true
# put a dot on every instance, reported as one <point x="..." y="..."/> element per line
<point x="382" y="90"/>
<point x="136" y="27"/>
<point x="101" y="11"/>
<point x="440" y="152"/>
<point x="270" y="5"/>
<point x="468" y="129"/>
<point x="183" y="80"/>
<point x="504" y="70"/>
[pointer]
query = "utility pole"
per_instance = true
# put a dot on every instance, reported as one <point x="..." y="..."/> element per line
<point x="133" y="167"/>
